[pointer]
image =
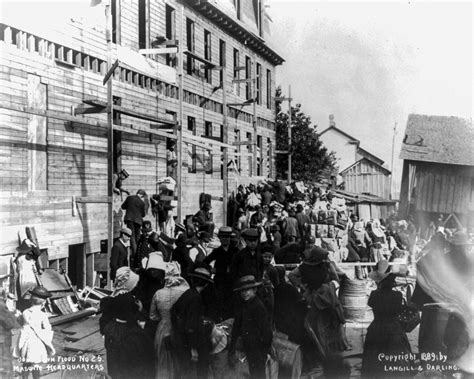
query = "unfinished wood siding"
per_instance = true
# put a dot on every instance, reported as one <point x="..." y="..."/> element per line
<point x="367" y="177"/>
<point x="70" y="63"/>
<point x="443" y="188"/>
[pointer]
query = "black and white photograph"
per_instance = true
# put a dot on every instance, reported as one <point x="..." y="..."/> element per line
<point x="236" y="189"/>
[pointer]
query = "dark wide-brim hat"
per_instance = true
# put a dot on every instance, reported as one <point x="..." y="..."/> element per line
<point x="25" y="247"/>
<point x="381" y="272"/>
<point x="314" y="255"/>
<point x="146" y="228"/>
<point x="202" y="273"/>
<point x="250" y="234"/>
<point x="246" y="282"/>
<point x="41" y="292"/>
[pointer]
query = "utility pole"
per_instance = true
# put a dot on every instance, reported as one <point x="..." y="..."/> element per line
<point x="179" y="143"/>
<point x="289" y="99"/>
<point x="110" y="140"/>
<point x="393" y="151"/>
<point x="289" y="134"/>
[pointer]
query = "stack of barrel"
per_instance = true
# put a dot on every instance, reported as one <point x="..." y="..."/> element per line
<point x="353" y="297"/>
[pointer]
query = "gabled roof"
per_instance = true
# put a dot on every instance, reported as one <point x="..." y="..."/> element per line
<point x="370" y="156"/>
<point x="360" y="150"/>
<point x="332" y="127"/>
<point x="385" y="170"/>
<point x="439" y="139"/>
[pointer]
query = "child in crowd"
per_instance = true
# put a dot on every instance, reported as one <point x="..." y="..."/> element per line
<point x="253" y="325"/>
<point x="34" y="344"/>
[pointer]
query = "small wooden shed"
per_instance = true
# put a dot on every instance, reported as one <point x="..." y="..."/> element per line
<point x="438" y="169"/>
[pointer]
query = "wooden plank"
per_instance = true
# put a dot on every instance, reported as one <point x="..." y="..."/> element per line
<point x="93" y="199"/>
<point x="429" y="193"/>
<point x="443" y="193"/>
<point x="82" y="328"/>
<point x="205" y="141"/>
<point x="420" y="195"/>
<point x="457" y="203"/>
<point x="436" y="192"/>
<point x="451" y="191"/>
<point x="91" y="343"/>
<point x="73" y="316"/>
<point x="161" y="50"/>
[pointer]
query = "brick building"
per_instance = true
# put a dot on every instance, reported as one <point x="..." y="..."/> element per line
<point x="214" y="77"/>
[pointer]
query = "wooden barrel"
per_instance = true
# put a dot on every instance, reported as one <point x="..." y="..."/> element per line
<point x="434" y="320"/>
<point x="289" y="356"/>
<point x="353" y="297"/>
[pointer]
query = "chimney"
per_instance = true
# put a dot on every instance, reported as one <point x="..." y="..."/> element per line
<point x="331" y="120"/>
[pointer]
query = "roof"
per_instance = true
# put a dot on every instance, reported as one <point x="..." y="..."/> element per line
<point x="370" y="156"/>
<point x="385" y="170"/>
<point x="439" y="139"/>
<point x="352" y="197"/>
<point x="360" y="150"/>
<point x="214" y="12"/>
<point x="332" y="127"/>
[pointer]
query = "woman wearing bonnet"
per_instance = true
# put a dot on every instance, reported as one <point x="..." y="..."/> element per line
<point x="128" y="343"/>
<point x="163" y="300"/>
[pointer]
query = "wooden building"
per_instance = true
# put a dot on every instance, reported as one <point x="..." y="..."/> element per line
<point x="438" y="169"/>
<point x="360" y="171"/>
<point x="367" y="207"/>
<point x="366" y="176"/>
<point x="198" y="72"/>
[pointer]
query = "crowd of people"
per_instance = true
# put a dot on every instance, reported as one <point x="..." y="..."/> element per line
<point x="184" y="284"/>
<point x="191" y="300"/>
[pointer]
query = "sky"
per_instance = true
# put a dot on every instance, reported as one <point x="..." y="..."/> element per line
<point x="371" y="64"/>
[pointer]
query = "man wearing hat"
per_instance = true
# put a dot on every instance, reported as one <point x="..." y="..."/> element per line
<point x="119" y="255"/>
<point x="188" y="340"/>
<point x="222" y="256"/>
<point x="135" y="209"/>
<point x="143" y="246"/>
<point x="248" y="261"/>
<point x="198" y="253"/>
<point x="252" y="324"/>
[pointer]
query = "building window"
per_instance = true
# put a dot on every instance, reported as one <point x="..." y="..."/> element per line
<point x="142" y="24"/>
<point x="259" y="155"/>
<point x="207" y="153"/>
<point x="207" y="55"/>
<point x="170" y="33"/>
<point x="249" y="150"/>
<point x="115" y="12"/>
<point x="192" y="148"/>
<point x="269" y="89"/>
<point x="221" y="136"/>
<point x="269" y="157"/>
<point x="190" y="45"/>
<point x="259" y="83"/>
<point x="236" y="71"/>
<point x="248" y="75"/>
<point x="222" y="51"/>
<point x="238" y="9"/>
<point x="237" y="160"/>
